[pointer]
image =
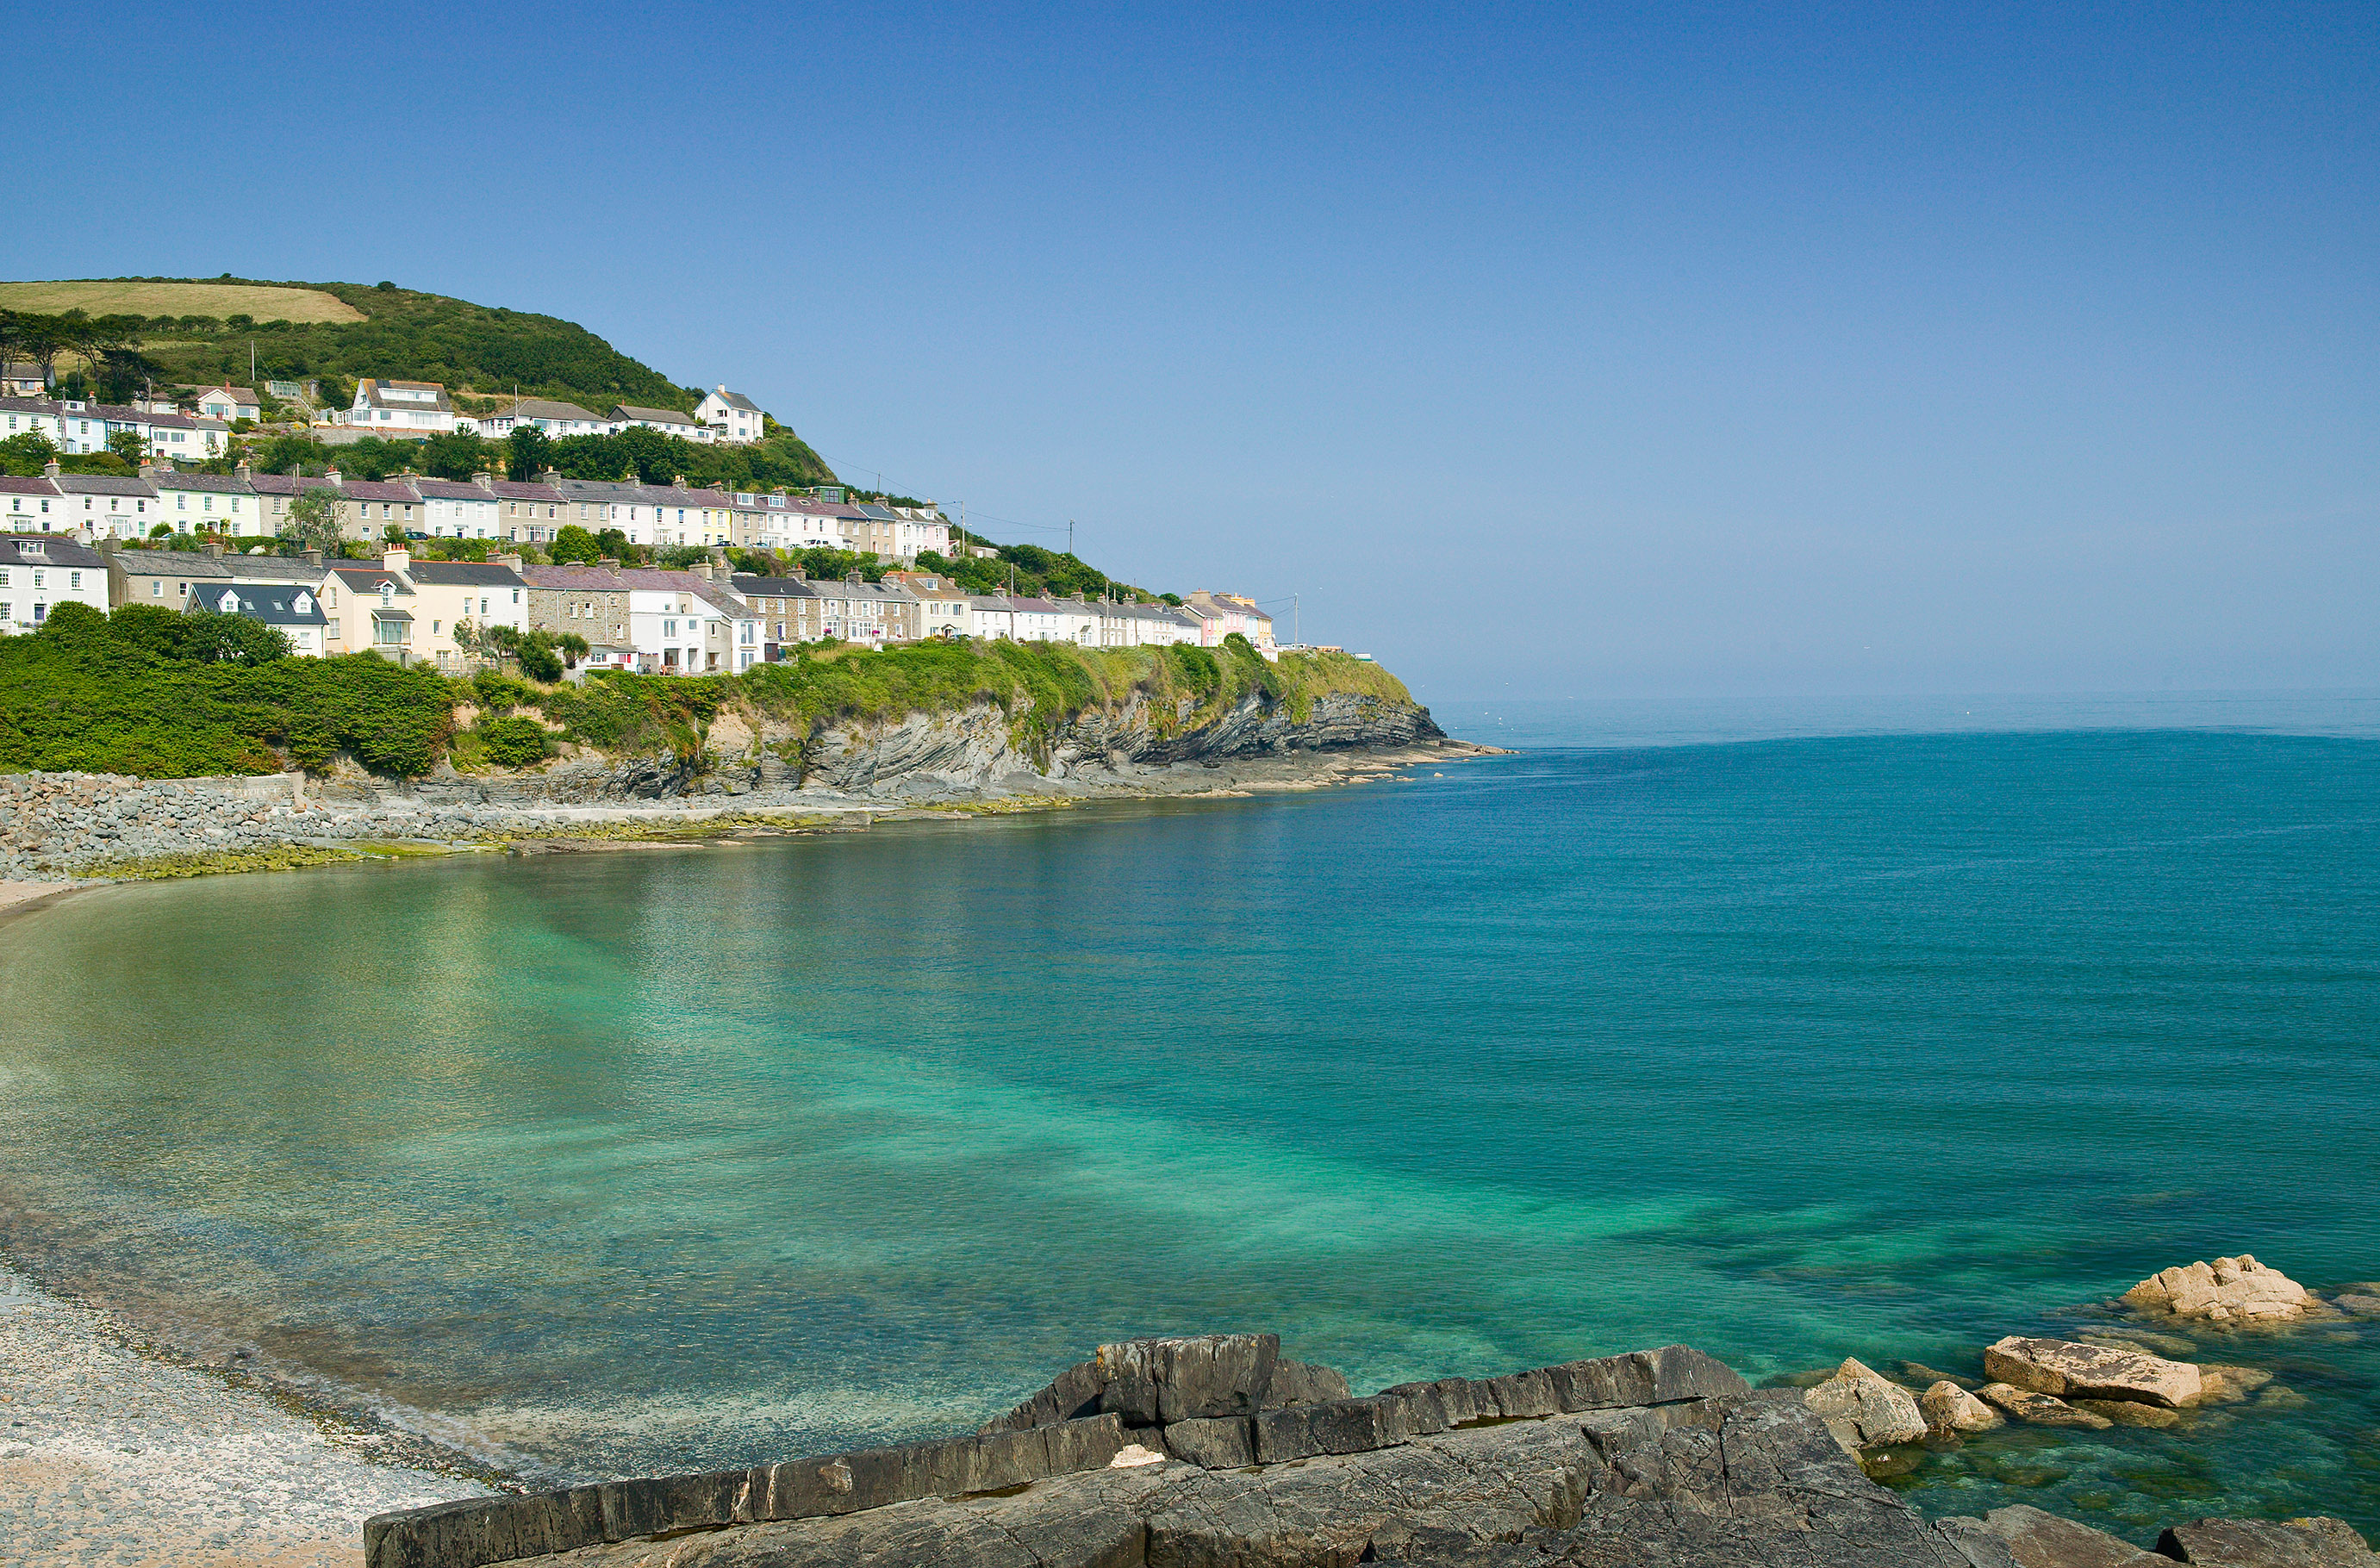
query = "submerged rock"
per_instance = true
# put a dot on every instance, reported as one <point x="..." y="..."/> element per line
<point x="2230" y="1290"/>
<point x="1864" y="1410"/>
<point x="2131" y="1413"/>
<point x="2221" y="1384"/>
<point x="2040" y="1409"/>
<point x="1948" y="1407"/>
<point x="2092" y="1371"/>
<point x="2268" y="1543"/>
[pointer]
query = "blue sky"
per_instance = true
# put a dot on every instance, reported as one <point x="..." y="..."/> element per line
<point x="1543" y="351"/>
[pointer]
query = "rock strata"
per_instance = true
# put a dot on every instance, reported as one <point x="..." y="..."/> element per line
<point x="1862" y="1410"/>
<point x="2092" y="1371"/>
<point x="2230" y="1290"/>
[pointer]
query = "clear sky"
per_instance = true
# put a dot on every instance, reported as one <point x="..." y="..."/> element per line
<point x="1559" y="351"/>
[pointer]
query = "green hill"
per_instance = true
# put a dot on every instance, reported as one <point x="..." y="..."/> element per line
<point x="477" y="350"/>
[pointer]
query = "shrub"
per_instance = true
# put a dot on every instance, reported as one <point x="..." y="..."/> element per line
<point x="515" y="743"/>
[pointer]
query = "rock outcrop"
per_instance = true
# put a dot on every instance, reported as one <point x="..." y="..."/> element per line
<point x="2230" y="1290"/>
<point x="1660" y="1457"/>
<point x="1864" y="1410"/>
<point x="2071" y="1370"/>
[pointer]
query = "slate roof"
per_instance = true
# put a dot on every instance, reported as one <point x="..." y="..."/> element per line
<point x="645" y="579"/>
<point x="546" y="408"/>
<point x="364" y="576"/>
<point x="11" y="485"/>
<point x="663" y="416"/>
<point x="737" y="400"/>
<point x="282" y="484"/>
<point x="53" y="551"/>
<point x="774" y="588"/>
<point x="377" y="490"/>
<point x="522" y="490"/>
<point x="452" y="490"/>
<point x="101" y="484"/>
<point x="222" y="484"/>
<point x="474" y="573"/>
<point x="274" y="604"/>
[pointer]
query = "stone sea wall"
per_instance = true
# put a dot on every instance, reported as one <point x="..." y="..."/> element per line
<point x="1214" y="1449"/>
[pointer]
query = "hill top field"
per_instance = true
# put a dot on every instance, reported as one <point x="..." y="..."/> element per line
<point x="219" y="300"/>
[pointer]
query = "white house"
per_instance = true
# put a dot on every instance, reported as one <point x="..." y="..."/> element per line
<point x="411" y="407"/>
<point x="205" y="502"/>
<point x="988" y="616"/>
<point x="678" y="623"/>
<point x="227" y="403"/>
<point x="37" y="575"/>
<point x="1078" y="622"/>
<point x="30" y="505"/>
<point x="669" y="421"/>
<point x="553" y="419"/>
<point x="455" y="509"/>
<point x="33" y="416"/>
<point x="23" y="378"/>
<point x="103" y="505"/>
<point x="736" y="418"/>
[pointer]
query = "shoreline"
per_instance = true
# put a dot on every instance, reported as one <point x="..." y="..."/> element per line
<point x="326" y="835"/>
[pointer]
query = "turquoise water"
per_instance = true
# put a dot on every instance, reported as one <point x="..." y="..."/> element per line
<point x="1881" y="1045"/>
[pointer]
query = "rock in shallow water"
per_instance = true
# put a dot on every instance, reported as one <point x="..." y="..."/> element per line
<point x="1948" y="1407"/>
<point x="1862" y="1410"/>
<point x="2268" y="1543"/>
<point x="2230" y="1290"/>
<point x="2044" y="1540"/>
<point x="2040" y="1409"/>
<point x="2065" y="1368"/>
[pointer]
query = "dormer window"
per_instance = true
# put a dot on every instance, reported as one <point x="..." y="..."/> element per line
<point x="387" y="595"/>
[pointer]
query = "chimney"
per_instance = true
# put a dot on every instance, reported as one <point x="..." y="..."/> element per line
<point x="485" y="482"/>
<point x="610" y="564"/>
<point x="550" y="476"/>
<point x="50" y="467"/>
<point x="239" y="471"/>
<point x="396" y="558"/>
<point x="333" y="476"/>
<point x="314" y="559"/>
<point x="148" y="470"/>
<point x="800" y="575"/>
<point x="677" y="482"/>
<point x="852" y="576"/>
<point x="214" y="548"/>
<point x="510" y="563"/>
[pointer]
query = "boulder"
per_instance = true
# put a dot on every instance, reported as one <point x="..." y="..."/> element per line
<point x="1862" y="1410"/>
<point x="2044" y="1540"/>
<point x="1917" y="1375"/>
<point x="1154" y="1382"/>
<point x="2039" y="1409"/>
<point x="2230" y="1290"/>
<point x="2268" y="1543"/>
<point x="1212" y="1442"/>
<point x="2092" y="1371"/>
<point x="1949" y="1409"/>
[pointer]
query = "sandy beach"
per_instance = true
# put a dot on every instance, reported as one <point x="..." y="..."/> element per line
<point x="112" y="1458"/>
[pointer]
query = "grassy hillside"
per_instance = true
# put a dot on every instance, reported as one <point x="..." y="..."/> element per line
<point x="135" y="297"/>
<point x="141" y="692"/>
<point x="199" y="331"/>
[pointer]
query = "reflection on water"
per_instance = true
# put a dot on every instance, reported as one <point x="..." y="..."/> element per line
<point x="1881" y="1047"/>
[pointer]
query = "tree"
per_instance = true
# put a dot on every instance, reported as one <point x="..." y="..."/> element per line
<point x="613" y="543"/>
<point x="284" y="454"/>
<point x="572" y="542"/>
<point x="128" y="446"/>
<point x="455" y="455"/>
<point x="314" y="520"/>
<point x="529" y="453"/>
<point x="24" y="454"/>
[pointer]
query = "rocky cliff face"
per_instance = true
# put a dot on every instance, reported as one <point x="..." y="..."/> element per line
<point x="973" y="752"/>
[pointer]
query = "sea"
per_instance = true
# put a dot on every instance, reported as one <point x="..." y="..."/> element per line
<point x="1792" y="1031"/>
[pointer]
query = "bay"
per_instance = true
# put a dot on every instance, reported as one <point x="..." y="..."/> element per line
<point x="1880" y="1043"/>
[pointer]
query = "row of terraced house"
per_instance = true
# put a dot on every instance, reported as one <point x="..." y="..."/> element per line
<point x="705" y="620"/>
<point x="249" y="504"/>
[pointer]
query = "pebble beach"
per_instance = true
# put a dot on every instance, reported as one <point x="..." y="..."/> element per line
<point x="112" y="1458"/>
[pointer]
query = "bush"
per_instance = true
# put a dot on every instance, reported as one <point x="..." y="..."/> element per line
<point x="515" y="743"/>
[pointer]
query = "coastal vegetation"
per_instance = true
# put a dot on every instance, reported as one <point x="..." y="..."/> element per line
<point x="154" y="694"/>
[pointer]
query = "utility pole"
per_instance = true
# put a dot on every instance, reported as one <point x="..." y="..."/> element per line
<point x="1295" y="634"/>
<point x="1070" y="536"/>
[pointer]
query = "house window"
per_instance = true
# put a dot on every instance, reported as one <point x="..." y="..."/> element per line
<point x="156" y="588"/>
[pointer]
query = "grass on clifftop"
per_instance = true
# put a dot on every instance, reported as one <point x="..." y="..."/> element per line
<point x="137" y="692"/>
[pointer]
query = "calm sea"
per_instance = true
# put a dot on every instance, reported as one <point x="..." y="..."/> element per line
<point x="1792" y="1033"/>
